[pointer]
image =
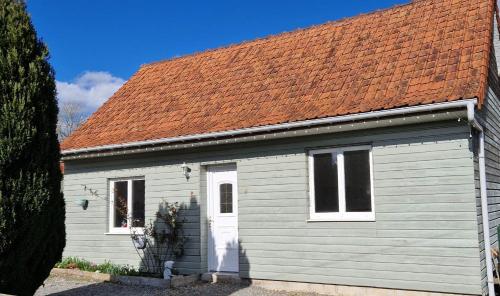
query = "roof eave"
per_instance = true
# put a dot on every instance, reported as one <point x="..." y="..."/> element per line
<point x="70" y="153"/>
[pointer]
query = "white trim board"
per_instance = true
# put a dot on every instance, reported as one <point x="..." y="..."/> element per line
<point x="283" y="126"/>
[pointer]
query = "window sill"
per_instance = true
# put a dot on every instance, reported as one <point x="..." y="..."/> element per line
<point x="339" y="220"/>
<point x="117" y="233"/>
<point x="342" y="217"/>
<point x="125" y="231"/>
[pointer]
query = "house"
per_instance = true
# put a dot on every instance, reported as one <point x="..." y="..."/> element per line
<point x="358" y="156"/>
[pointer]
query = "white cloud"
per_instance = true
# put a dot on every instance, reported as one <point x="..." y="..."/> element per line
<point x="89" y="90"/>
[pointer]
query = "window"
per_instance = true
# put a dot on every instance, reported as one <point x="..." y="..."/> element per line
<point x="226" y="198"/>
<point x="127" y="204"/>
<point x="340" y="183"/>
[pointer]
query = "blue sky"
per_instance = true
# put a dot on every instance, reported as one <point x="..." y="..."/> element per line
<point x="96" y="45"/>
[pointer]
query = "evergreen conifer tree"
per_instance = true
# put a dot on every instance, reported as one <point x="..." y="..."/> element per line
<point x="32" y="233"/>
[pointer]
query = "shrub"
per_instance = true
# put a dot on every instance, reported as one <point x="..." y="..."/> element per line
<point x="75" y="263"/>
<point x="32" y="234"/>
<point x="106" y="267"/>
<point x="161" y="240"/>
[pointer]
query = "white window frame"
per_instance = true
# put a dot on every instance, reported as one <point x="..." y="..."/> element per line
<point x="123" y="230"/>
<point x="341" y="215"/>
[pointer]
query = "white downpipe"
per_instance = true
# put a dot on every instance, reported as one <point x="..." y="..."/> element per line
<point x="485" y="214"/>
<point x="484" y="200"/>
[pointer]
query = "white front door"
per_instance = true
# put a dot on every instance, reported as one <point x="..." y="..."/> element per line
<point x="223" y="254"/>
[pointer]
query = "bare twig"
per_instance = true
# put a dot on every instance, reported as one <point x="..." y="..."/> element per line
<point x="71" y="116"/>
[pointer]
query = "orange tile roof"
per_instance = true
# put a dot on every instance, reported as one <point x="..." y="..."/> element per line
<point x="423" y="52"/>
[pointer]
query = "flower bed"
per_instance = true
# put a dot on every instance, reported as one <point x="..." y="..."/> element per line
<point x="120" y="279"/>
<point x="123" y="274"/>
<point x="106" y="267"/>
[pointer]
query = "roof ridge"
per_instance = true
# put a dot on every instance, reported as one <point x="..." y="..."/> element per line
<point x="338" y="22"/>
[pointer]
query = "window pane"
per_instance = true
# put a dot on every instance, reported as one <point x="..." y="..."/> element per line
<point x="120" y="203"/>
<point x="357" y="181"/>
<point x="326" y="183"/>
<point x="226" y="198"/>
<point x="138" y="203"/>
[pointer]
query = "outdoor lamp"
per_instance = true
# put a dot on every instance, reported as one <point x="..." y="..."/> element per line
<point x="186" y="170"/>
<point x="84" y="203"/>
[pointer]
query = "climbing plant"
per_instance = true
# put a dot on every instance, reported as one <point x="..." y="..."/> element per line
<point x="160" y="240"/>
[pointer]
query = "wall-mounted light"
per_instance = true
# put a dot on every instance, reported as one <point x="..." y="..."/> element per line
<point x="186" y="170"/>
<point x="84" y="203"/>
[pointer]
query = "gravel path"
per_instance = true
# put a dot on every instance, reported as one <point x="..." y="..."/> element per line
<point x="69" y="285"/>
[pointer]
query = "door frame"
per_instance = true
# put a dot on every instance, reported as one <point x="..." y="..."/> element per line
<point x="211" y="169"/>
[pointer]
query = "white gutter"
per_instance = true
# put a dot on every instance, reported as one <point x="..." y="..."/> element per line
<point x="484" y="199"/>
<point x="283" y="126"/>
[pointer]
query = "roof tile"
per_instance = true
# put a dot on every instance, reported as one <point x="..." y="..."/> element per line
<point x="423" y="52"/>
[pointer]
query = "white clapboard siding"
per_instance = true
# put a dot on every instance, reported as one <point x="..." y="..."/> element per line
<point x="425" y="236"/>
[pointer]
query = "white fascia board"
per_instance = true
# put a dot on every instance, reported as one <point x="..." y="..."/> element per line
<point x="283" y="126"/>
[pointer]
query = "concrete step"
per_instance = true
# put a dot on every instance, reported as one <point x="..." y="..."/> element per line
<point x="221" y="277"/>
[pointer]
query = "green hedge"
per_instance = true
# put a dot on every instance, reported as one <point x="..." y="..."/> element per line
<point x="32" y="233"/>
